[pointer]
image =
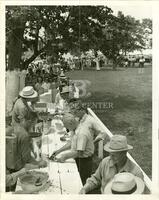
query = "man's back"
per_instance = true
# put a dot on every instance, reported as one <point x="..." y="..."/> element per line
<point x="19" y="111"/>
<point x="23" y="146"/>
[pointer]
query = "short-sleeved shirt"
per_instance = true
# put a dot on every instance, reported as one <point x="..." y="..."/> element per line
<point x="107" y="170"/>
<point x="39" y="88"/>
<point x="83" y="142"/>
<point x="88" y="124"/>
<point x="142" y="60"/>
<point x="46" y="86"/>
<point x="61" y="103"/>
<point x="23" y="147"/>
<point x="19" y="111"/>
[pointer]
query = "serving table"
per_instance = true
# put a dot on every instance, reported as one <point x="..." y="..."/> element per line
<point x="64" y="177"/>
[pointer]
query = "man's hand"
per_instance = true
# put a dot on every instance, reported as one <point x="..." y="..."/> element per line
<point x="82" y="191"/>
<point x="103" y="137"/>
<point x="22" y="171"/>
<point x="30" y="166"/>
<point x="60" y="159"/>
<point x="54" y="154"/>
<point x="98" y="138"/>
<point x="42" y="164"/>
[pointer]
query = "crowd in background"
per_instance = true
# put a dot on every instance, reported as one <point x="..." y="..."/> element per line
<point x="85" y="131"/>
<point x="44" y="72"/>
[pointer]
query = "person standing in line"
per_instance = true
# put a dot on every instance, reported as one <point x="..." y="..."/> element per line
<point x="81" y="148"/>
<point x="24" y="147"/>
<point x="74" y="91"/>
<point x="88" y="123"/>
<point x="24" y="104"/>
<point x="141" y="62"/>
<point x="38" y="85"/>
<point x="46" y="84"/>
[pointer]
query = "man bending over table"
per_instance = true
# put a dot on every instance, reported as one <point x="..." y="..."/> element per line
<point x="24" y="148"/>
<point x="81" y="145"/>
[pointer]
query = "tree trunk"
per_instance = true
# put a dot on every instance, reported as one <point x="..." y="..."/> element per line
<point x="15" y="49"/>
<point x="12" y="88"/>
<point x="13" y="81"/>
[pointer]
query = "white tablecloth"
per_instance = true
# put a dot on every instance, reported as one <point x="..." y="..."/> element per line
<point x="64" y="177"/>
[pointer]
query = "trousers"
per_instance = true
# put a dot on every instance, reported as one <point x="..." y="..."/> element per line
<point x="84" y="166"/>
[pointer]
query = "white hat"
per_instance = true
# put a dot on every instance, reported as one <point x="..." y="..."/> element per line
<point x="28" y="92"/>
<point x="62" y="75"/>
<point x="125" y="183"/>
<point x="117" y="143"/>
<point x="65" y="89"/>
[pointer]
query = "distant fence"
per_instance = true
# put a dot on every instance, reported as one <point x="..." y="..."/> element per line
<point x="147" y="180"/>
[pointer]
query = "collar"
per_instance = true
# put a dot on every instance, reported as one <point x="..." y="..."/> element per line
<point x="124" y="168"/>
<point x="83" y="118"/>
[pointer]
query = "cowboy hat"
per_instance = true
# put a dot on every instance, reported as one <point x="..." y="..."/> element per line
<point x="28" y="92"/>
<point x="125" y="183"/>
<point x="117" y="143"/>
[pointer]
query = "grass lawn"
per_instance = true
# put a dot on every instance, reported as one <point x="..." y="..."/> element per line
<point x="127" y="92"/>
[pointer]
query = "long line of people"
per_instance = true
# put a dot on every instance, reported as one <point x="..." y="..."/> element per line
<point x="85" y="132"/>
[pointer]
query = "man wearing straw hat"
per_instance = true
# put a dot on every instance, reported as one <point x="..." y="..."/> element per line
<point x="125" y="183"/>
<point x="116" y="162"/>
<point x="23" y="104"/>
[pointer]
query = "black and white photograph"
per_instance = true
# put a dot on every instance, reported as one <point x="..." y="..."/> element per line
<point x="78" y="99"/>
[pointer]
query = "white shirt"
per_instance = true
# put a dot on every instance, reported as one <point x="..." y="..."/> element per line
<point x="88" y="124"/>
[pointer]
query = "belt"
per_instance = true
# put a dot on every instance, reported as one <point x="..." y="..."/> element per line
<point x="85" y="158"/>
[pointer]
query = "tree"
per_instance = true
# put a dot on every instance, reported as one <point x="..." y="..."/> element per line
<point x="147" y="32"/>
<point x="64" y="27"/>
<point x="68" y="28"/>
<point x="122" y="34"/>
<point x="24" y="24"/>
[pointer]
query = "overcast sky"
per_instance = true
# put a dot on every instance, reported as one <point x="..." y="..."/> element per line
<point x="137" y="11"/>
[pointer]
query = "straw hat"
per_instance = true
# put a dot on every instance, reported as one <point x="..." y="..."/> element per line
<point x="65" y="89"/>
<point x="117" y="143"/>
<point x="125" y="183"/>
<point x="28" y="92"/>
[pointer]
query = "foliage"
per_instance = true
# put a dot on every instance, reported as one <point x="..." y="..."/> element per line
<point x="54" y="30"/>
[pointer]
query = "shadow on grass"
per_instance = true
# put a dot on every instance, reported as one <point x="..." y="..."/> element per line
<point x="120" y="102"/>
<point x="129" y="117"/>
<point x="116" y="104"/>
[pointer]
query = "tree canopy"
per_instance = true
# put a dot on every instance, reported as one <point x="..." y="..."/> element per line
<point x="59" y="29"/>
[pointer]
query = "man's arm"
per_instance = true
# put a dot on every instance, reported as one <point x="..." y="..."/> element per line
<point x="63" y="157"/>
<point x="12" y="178"/>
<point x="100" y="135"/>
<point x="25" y="148"/>
<point x="26" y="154"/>
<point x="67" y="146"/>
